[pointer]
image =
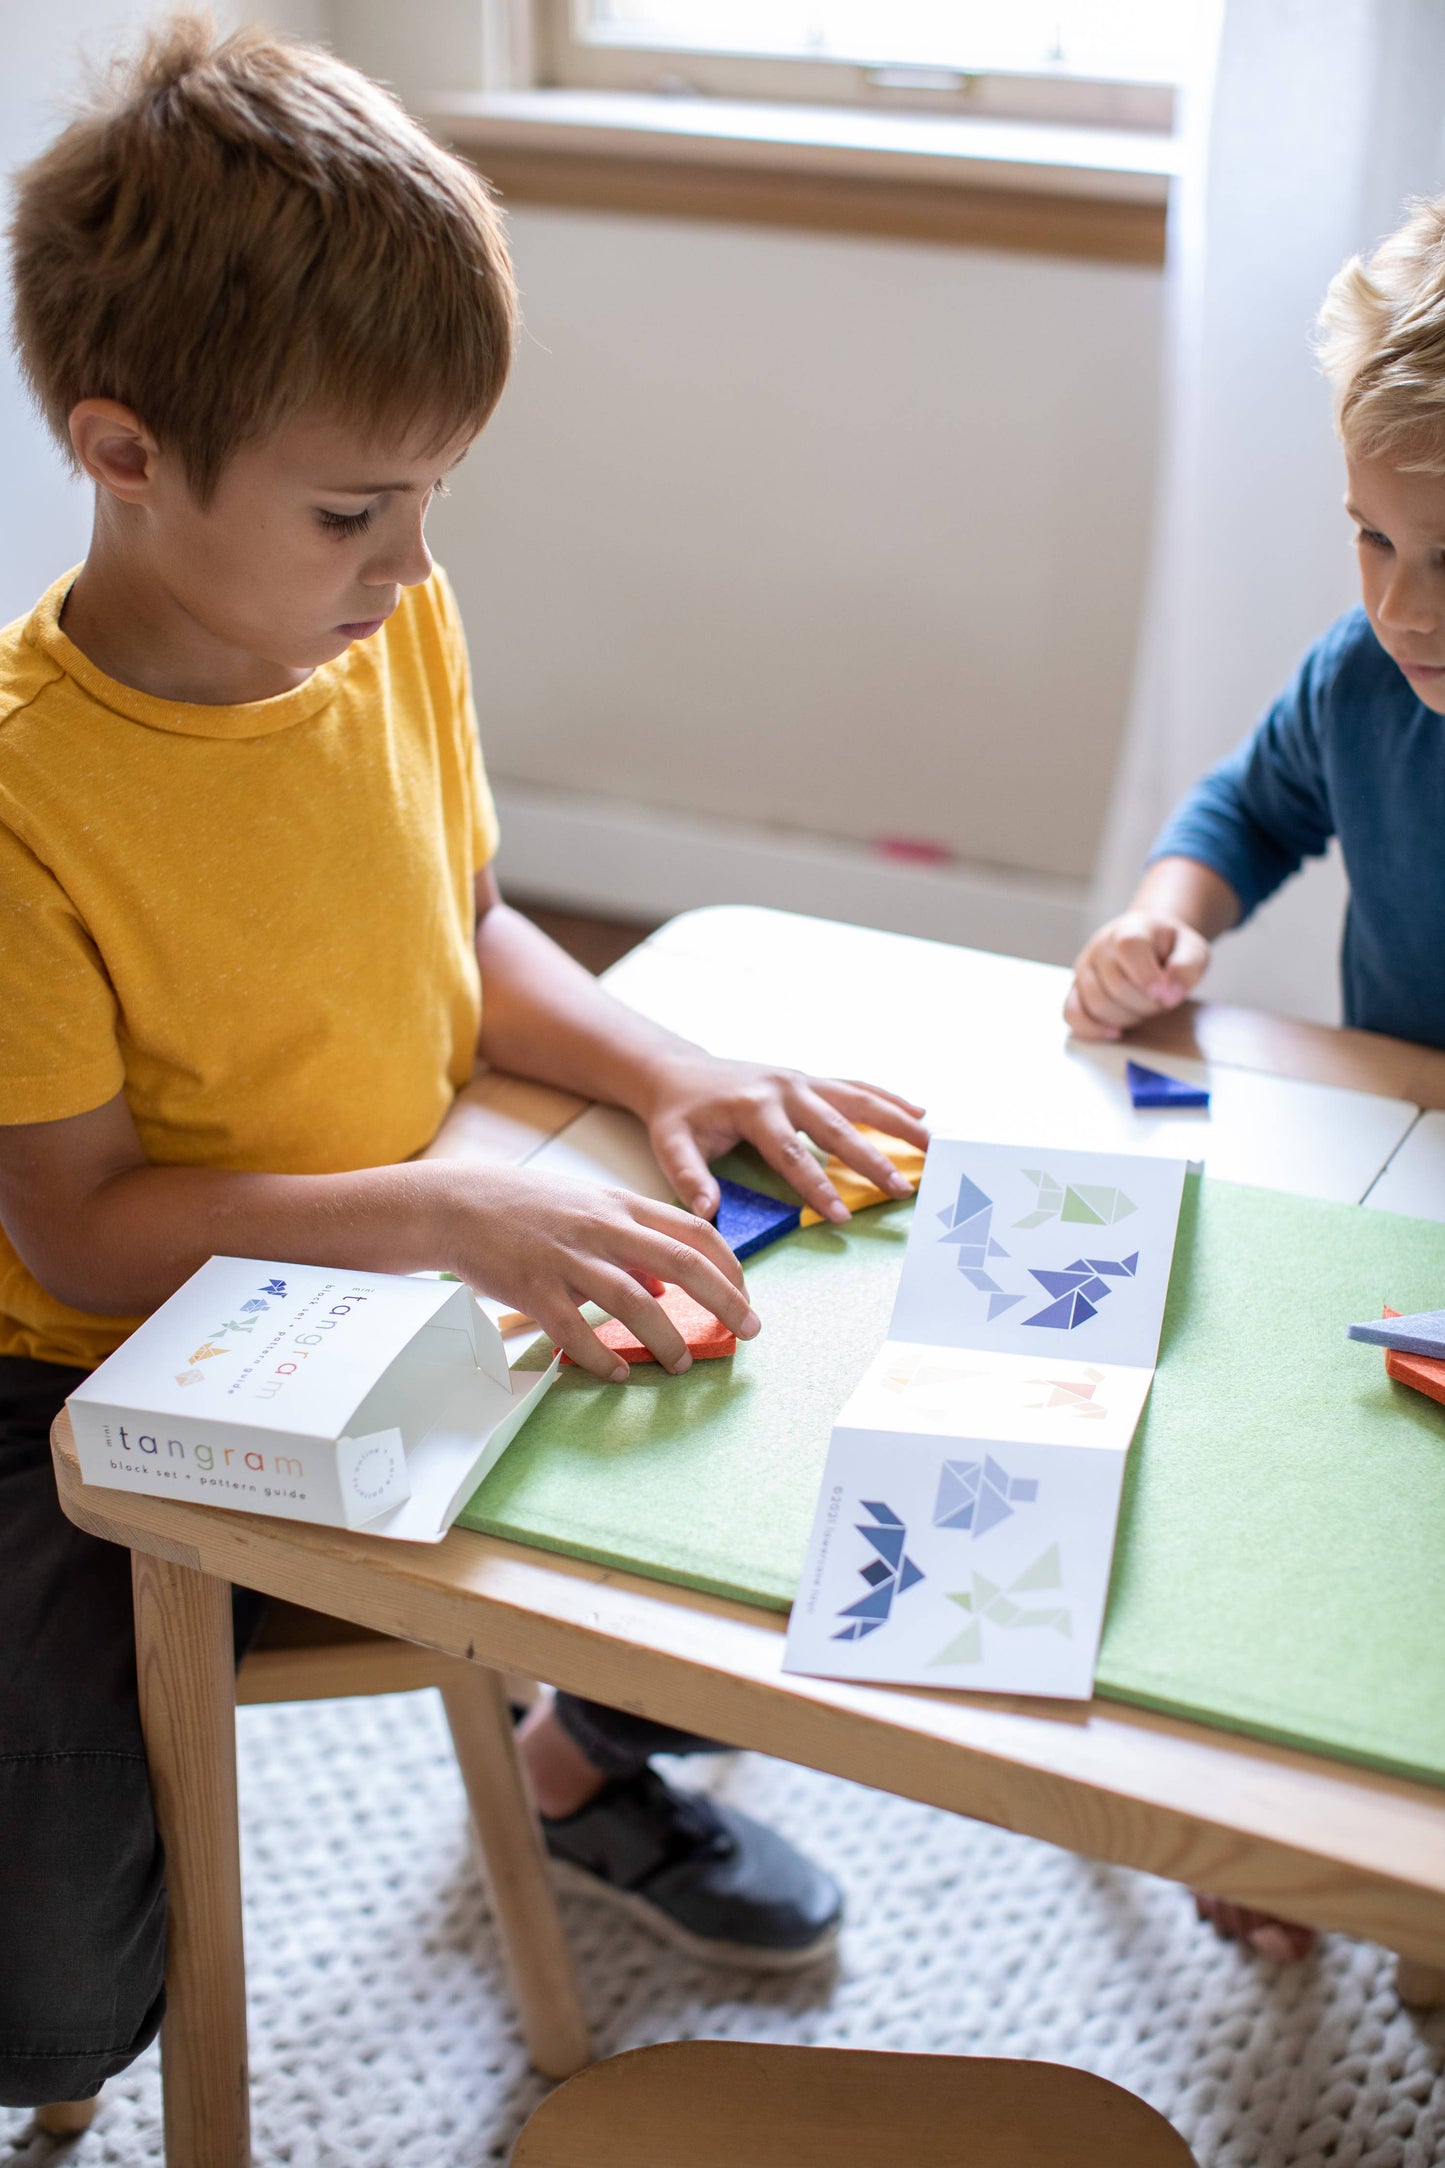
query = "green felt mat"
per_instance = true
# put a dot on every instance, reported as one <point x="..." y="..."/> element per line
<point x="1281" y="1559"/>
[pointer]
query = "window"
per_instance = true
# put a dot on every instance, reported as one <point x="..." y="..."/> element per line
<point x="992" y="123"/>
<point x="1111" y="63"/>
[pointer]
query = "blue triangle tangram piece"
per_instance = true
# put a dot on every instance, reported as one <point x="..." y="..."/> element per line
<point x="1422" y="1332"/>
<point x="909" y="1574"/>
<point x="1000" y="1302"/>
<point x="996" y="1249"/>
<point x="1062" y="1283"/>
<point x="876" y="1604"/>
<point x="970" y="1200"/>
<point x="748" y="1221"/>
<point x="973" y="1230"/>
<point x="880" y="1512"/>
<point x="957" y="1494"/>
<point x="993" y="1505"/>
<point x="1064" y="1315"/>
<point x="1151" y="1088"/>
<point x="888" y="1542"/>
<point x="856" y="1631"/>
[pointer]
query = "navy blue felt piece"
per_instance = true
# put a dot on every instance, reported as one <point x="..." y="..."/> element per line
<point x="749" y="1221"/>
<point x="1421" y="1334"/>
<point x="1151" y="1088"/>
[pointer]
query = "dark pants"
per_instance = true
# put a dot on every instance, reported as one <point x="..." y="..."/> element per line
<point x="82" y="1889"/>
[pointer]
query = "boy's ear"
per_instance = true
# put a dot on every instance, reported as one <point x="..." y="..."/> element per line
<point x="114" y="447"/>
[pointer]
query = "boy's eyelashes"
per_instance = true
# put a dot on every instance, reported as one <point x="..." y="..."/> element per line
<point x="345" y="523"/>
<point x="1372" y="538"/>
<point x="342" y="524"/>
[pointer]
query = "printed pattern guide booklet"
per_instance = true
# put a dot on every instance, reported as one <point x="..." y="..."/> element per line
<point x="965" y="1525"/>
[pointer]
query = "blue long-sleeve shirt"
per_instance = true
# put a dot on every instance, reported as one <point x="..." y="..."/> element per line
<point x="1347" y="750"/>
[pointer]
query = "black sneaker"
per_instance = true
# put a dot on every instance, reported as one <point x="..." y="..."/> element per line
<point x="703" y="1876"/>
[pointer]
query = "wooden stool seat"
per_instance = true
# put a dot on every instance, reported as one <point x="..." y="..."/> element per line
<point x="735" y="2104"/>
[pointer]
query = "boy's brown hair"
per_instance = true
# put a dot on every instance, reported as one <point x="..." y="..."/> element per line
<point x="233" y="231"/>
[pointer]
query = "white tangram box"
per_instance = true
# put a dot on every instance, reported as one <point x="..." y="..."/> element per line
<point x="359" y="1399"/>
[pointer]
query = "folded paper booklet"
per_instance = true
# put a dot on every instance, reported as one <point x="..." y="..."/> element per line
<point x="359" y="1399"/>
<point x="966" y="1520"/>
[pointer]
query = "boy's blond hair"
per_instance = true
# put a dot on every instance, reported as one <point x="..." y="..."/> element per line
<point x="1380" y="338"/>
<point x="233" y="231"/>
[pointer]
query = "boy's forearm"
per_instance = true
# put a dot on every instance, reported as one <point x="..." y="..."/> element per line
<point x="544" y="1016"/>
<point x="1187" y="889"/>
<point x="138" y="1235"/>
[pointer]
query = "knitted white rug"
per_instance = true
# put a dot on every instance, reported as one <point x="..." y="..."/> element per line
<point x="382" y="2034"/>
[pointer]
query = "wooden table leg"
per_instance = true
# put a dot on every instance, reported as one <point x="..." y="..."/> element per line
<point x="186" y="1667"/>
<point x="1419" y="1987"/>
<point x="67" y="2118"/>
<point x="539" y="1961"/>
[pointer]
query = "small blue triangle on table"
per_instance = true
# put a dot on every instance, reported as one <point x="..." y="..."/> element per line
<point x="749" y="1221"/>
<point x="1421" y="1334"/>
<point x="1151" y="1088"/>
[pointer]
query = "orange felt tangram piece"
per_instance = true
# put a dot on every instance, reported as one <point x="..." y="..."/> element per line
<point x="705" y="1334"/>
<point x="1424" y="1372"/>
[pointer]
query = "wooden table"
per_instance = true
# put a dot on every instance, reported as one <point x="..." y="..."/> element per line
<point x="1317" y="1840"/>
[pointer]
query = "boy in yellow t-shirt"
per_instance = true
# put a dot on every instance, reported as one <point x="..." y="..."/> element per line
<point x="251" y="942"/>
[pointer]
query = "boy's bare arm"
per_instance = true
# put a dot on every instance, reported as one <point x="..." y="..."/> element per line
<point x="1154" y="954"/>
<point x="544" y="1016"/>
<point x="104" y="1231"/>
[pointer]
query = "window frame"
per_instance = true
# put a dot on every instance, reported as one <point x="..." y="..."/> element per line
<point x="1068" y="97"/>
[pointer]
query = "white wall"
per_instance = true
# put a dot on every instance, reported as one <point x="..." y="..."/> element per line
<point x="841" y="534"/>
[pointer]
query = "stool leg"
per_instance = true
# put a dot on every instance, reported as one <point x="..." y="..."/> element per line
<point x="67" y="2118"/>
<point x="539" y="1961"/>
<point x="186" y="1667"/>
<point x="1419" y="1987"/>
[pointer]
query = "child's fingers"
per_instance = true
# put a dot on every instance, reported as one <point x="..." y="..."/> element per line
<point x="781" y="1146"/>
<point x="682" y="1254"/>
<point x="677" y="1153"/>
<point x="621" y="1296"/>
<point x="1141" y="954"/>
<point x="894" y="1099"/>
<point x="1128" y="1003"/>
<point x="568" y="1329"/>
<point x="1187" y="963"/>
<point x="868" y="1104"/>
<point x="1078" y="1016"/>
<point x="685" y="1236"/>
<point x="826" y="1126"/>
<point x="1098" y="1001"/>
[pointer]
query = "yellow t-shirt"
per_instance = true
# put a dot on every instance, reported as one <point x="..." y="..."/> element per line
<point x="256" y="921"/>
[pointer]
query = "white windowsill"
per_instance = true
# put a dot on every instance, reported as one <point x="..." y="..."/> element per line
<point x="1116" y="165"/>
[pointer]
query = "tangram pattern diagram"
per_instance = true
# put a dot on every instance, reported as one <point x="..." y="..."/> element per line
<point x="969" y="1225"/>
<point x="1076" y="1394"/>
<point x="985" y="1600"/>
<point x="887" y="1575"/>
<point x="1083" y="1204"/>
<point x="976" y="1495"/>
<point x="1079" y="1289"/>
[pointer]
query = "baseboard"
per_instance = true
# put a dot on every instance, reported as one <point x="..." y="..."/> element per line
<point x="628" y="861"/>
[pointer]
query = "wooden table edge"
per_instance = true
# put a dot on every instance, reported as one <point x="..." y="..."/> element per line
<point x="1327" y="1843"/>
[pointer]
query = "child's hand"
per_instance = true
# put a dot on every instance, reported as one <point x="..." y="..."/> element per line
<point x="698" y="1107"/>
<point x="548" y="1245"/>
<point x="1136" y="966"/>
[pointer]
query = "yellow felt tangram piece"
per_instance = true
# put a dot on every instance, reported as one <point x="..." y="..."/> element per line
<point x="856" y="1191"/>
